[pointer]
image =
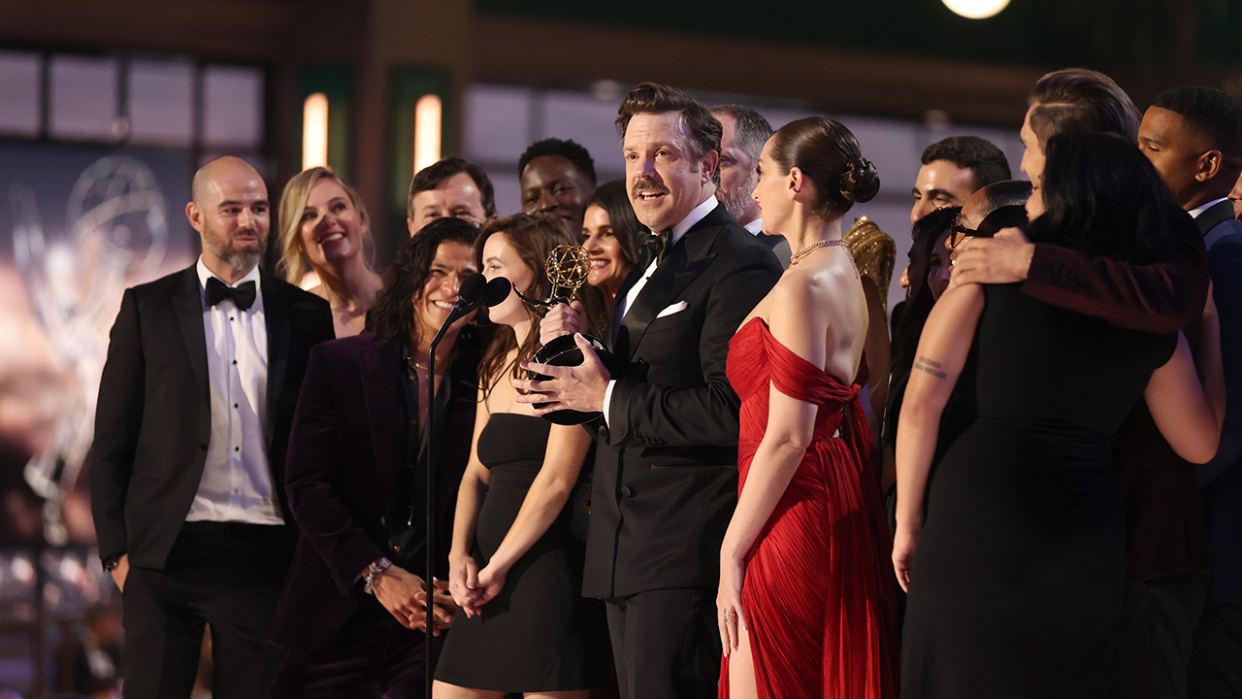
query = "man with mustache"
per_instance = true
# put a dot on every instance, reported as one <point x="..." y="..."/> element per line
<point x="195" y="407"/>
<point x="665" y="481"/>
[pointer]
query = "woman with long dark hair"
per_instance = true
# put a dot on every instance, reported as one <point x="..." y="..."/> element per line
<point x="354" y="474"/>
<point x="1013" y="550"/>
<point x="610" y="231"/>
<point x="523" y="625"/>
<point x="805" y="600"/>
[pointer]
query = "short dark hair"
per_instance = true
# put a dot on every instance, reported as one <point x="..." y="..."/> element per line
<point x="431" y="176"/>
<point x="1211" y="113"/>
<point x="567" y="149"/>
<point x="392" y="316"/>
<point x="1077" y="100"/>
<point x="1007" y="193"/>
<point x="654" y="98"/>
<point x="980" y="156"/>
<point x="752" y="129"/>
<point x="1102" y="196"/>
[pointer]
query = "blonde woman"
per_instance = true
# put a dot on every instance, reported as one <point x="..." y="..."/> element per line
<point x="324" y="227"/>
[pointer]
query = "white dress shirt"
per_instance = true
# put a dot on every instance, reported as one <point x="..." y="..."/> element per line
<point x="755" y="227"/>
<point x="237" y="482"/>
<point x="1194" y="213"/>
<point x="700" y="212"/>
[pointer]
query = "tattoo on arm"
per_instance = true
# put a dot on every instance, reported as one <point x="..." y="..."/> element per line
<point x="928" y="366"/>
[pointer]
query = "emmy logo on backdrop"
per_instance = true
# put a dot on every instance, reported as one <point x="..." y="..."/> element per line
<point x="567" y="268"/>
<point x="118" y="230"/>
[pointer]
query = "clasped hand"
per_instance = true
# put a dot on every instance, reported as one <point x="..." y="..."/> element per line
<point x="404" y="595"/>
<point x="472" y="588"/>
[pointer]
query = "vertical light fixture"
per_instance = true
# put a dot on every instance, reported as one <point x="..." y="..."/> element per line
<point x="427" y="116"/>
<point x="315" y="131"/>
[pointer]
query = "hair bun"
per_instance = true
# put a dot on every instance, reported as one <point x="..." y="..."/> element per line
<point x="860" y="182"/>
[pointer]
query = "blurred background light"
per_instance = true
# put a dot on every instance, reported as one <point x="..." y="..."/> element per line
<point x="315" y="131"/>
<point x="426" y="131"/>
<point x="976" y="9"/>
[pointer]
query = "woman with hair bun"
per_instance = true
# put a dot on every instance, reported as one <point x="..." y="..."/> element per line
<point x="806" y="602"/>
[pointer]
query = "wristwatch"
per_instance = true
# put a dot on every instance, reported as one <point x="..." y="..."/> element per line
<point x="373" y="572"/>
<point x="111" y="562"/>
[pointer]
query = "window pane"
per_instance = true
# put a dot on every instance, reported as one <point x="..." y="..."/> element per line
<point x="161" y="103"/>
<point x="83" y="98"/>
<point x="233" y="107"/>
<point x="19" y="85"/>
<point x="497" y="127"/>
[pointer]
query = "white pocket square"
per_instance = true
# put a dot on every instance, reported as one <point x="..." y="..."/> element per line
<point x="675" y="308"/>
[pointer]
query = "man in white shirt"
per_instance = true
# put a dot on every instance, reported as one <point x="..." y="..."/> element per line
<point x="665" y="481"/>
<point x="195" y="407"/>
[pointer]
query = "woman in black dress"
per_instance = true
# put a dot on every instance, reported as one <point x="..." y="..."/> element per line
<point x="516" y="563"/>
<point x="1017" y="583"/>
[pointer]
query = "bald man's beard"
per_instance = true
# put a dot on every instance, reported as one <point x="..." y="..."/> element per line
<point x="241" y="260"/>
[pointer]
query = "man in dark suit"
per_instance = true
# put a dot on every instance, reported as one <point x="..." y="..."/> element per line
<point x="1193" y="135"/>
<point x="743" y="135"/>
<point x="195" y="407"/>
<point x="666" y="468"/>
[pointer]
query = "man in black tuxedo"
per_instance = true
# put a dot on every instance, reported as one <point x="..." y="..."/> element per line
<point x="1193" y="135"/>
<point x="743" y="135"/>
<point x="665" y="480"/>
<point x="195" y="407"/>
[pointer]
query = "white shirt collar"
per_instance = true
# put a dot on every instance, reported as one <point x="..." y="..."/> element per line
<point x="755" y="227"/>
<point x="700" y="212"/>
<point x="1194" y="213"/>
<point x="204" y="274"/>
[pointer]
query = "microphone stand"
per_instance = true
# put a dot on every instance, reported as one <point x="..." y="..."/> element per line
<point x="458" y="310"/>
<point x="474" y="292"/>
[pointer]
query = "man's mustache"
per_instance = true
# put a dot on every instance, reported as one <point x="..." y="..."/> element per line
<point x="648" y="184"/>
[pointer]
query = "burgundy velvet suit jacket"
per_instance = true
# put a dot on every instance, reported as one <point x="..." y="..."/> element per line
<point x="1165" y="526"/>
<point x="346" y="449"/>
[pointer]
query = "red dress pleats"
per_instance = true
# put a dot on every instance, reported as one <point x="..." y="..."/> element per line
<point x="818" y="594"/>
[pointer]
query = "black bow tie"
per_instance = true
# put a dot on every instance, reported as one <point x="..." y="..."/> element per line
<point x="660" y="246"/>
<point x="242" y="294"/>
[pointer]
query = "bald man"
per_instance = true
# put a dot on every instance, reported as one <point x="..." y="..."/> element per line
<point x="195" y="407"/>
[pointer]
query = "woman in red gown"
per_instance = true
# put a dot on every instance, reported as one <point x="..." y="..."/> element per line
<point x="806" y="600"/>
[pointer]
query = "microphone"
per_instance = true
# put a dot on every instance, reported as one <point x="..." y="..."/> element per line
<point x="470" y="294"/>
<point x="497" y="291"/>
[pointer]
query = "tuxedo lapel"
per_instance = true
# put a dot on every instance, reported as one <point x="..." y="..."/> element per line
<point x="636" y="273"/>
<point x="1214" y="216"/>
<point x="188" y="307"/>
<point x="687" y="260"/>
<point x="276" y="318"/>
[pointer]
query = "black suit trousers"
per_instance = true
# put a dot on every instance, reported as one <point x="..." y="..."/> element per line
<point x="666" y="644"/>
<point x="226" y="575"/>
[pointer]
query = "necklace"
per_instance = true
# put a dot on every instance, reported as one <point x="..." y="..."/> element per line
<point x="793" y="260"/>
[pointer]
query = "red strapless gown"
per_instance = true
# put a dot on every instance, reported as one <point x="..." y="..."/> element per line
<point x="818" y="594"/>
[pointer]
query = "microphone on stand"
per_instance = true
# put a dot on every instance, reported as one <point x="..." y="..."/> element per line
<point x="474" y="291"/>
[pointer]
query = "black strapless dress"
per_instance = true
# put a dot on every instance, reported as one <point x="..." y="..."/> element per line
<point x="539" y="634"/>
